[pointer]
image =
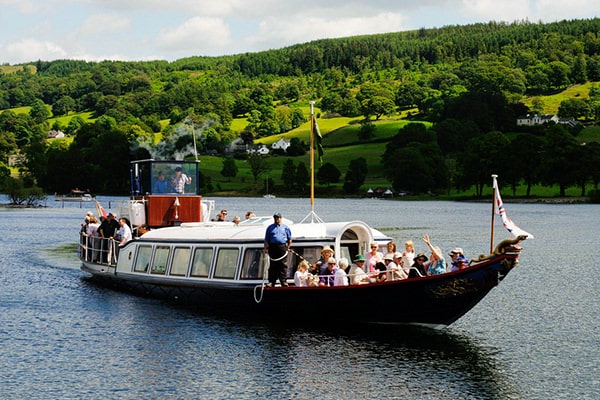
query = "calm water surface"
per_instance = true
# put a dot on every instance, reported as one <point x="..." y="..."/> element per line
<point x="536" y="336"/>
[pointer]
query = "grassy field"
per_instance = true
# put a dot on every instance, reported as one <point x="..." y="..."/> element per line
<point x="341" y="143"/>
<point x="552" y="102"/>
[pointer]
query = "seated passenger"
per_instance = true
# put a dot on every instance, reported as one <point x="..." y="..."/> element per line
<point x="221" y="216"/>
<point x="357" y="274"/>
<point x="436" y="264"/>
<point x="340" y="277"/>
<point x="394" y="271"/>
<point x="459" y="261"/>
<point x="327" y="276"/>
<point x="373" y="257"/>
<point x="301" y="275"/>
<point x="382" y="275"/>
<point x="320" y="267"/>
<point x="418" y="267"/>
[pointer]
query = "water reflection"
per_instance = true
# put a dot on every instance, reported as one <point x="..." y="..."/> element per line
<point x="245" y="360"/>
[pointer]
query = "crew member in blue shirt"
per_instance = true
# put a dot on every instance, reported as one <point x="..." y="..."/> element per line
<point x="278" y="239"/>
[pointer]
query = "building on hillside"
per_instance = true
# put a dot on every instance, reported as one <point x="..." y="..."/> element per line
<point x="536" y="119"/>
<point x="237" y="145"/>
<point x="281" y="144"/>
<point x="54" y="134"/>
<point x="261" y="149"/>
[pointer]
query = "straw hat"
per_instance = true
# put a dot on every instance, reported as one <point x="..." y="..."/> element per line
<point x="327" y="248"/>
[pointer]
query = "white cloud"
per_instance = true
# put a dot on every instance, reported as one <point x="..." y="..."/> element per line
<point x="103" y="23"/>
<point x="151" y="29"/>
<point x="278" y="32"/>
<point x="196" y="35"/>
<point x="29" y="49"/>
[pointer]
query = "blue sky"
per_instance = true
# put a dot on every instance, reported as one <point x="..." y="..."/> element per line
<point x="141" y="30"/>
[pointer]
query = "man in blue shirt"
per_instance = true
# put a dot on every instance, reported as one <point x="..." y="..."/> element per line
<point x="278" y="239"/>
<point x="161" y="185"/>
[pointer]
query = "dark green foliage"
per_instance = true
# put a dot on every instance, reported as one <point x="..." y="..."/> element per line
<point x="356" y="175"/>
<point x="229" y="169"/>
<point x="468" y="80"/>
<point x="328" y="174"/>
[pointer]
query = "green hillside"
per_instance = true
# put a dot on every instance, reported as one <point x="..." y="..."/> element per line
<point x="442" y="101"/>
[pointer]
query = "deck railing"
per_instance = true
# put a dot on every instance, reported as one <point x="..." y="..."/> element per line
<point x="98" y="250"/>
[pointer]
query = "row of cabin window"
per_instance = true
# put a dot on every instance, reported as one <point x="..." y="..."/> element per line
<point x="225" y="266"/>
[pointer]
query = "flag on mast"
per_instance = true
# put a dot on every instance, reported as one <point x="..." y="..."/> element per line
<point x="500" y="210"/>
<point x="318" y="140"/>
<point x="101" y="211"/>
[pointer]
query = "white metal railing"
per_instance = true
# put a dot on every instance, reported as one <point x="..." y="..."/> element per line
<point x="98" y="250"/>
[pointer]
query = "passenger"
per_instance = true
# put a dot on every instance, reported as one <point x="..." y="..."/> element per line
<point x="320" y="267"/>
<point x="301" y="275"/>
<point x="250" y="214"/>
<point x="382" y="274"/>
<point x="110" y="226"/>
<point x="124" y="233"/>
<point x="391" y="247"/>
<point x="85" y="224"/>
<point x="278" y="239"/>
<point x="93" y="238"/>
<point x="161" y="185"/>
<point x="394" y="271"/>
<point x="236" y="219"/>
<point x="180" y="180"/>
<point x="327" y="277"/>
<point x="341" y="277"/>
<point x="357" y="273"/>
<point x="221" y="216"/>
<point x="459" y="261"/>
<point x="437" y="264"/>
<point x="408" y="255"/>
<point x="418" y="267"/>
<point x="373" y="257"/>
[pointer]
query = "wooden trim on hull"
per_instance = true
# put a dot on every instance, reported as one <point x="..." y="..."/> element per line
<point x="432" y="301"/>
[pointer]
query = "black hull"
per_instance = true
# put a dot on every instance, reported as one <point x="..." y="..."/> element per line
<point x="433" y="301"/>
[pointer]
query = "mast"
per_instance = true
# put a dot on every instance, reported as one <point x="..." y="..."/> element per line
<point x="312" y="156"/>
<point x="494" y="188"/>
<point x="312" y="215"/>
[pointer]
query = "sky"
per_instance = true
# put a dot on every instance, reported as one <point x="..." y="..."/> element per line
<point x="143" y="30"/>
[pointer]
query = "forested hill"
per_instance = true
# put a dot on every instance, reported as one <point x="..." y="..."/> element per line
<point x="524" y="43"/>
<point x="468" y="84"/>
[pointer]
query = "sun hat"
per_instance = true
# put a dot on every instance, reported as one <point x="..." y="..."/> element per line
<point x="359" y="257"/>
<point x="456" y="250"/>
<point x="420" y="255"/>
<point x="327" y="248"/>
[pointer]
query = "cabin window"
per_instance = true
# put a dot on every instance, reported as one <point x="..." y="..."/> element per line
<point x="143" y="258"/>
<point x="226" y="263"/>
<point x="253" y="265"/>
<point x="161" y="257"/>
<point x="181" y="258"/>
<point x="201" y="262"/>
<point x="310" y="254"/>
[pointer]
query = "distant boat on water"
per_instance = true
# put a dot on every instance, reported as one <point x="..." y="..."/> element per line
<point x="74" y="195"/>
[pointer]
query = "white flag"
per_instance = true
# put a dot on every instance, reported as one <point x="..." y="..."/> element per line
<point x="500" y="210"/>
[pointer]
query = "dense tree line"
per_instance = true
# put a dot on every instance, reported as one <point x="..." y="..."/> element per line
<point x="468" y="80"/>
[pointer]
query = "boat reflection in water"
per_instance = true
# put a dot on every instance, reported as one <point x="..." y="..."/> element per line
<point x="180" y="255"/>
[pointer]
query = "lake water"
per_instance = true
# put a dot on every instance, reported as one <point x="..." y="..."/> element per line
<point x="536" y="336"/>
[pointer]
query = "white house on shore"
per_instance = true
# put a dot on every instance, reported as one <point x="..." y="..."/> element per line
<point x="280" y="144"/>
<point x="536" y="119"/>
<point x="262" y="150"/>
